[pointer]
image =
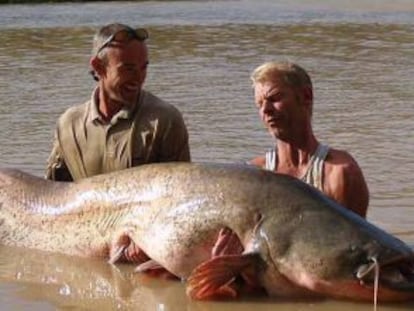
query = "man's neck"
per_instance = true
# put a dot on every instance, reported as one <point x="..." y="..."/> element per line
<point x="107" y="107"/>
<point x="108" y="110"/>
<point x="297" y="153"/>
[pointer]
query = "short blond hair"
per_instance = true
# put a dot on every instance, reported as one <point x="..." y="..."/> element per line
<point x="290" y="73"/>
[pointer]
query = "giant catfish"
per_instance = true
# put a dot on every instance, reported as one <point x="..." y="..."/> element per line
<point x="296" y="241"/>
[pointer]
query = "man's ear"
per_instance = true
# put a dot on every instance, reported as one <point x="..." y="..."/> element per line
<point x="97" y="65"/>
<point x="308" y="95"/>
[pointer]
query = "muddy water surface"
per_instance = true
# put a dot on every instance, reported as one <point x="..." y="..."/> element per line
<point x="360" y="57"/>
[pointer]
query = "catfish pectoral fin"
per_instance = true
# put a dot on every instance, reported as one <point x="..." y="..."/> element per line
<point x="227" y="243"/>
<point x="124" y="249"/>
<point x="214" y="278"/>
<point x="116" y="254"/>
<point x="148" y="265"/>
<point x="153" y="268"/>
<point x="118" y="246"/>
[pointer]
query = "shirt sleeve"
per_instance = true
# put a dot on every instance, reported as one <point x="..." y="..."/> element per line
<point x="176" y="142"/>
<point x="56" y="167"/>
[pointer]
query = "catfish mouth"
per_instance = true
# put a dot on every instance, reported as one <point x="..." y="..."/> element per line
<point x="396" y="274"/>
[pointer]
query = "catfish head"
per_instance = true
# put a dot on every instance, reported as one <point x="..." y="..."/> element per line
<point x="315" y="246"/>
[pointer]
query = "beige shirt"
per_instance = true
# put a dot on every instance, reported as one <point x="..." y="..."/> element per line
<point x="86" y="145"/>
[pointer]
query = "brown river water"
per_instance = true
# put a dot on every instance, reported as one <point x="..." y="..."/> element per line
<point x="361" y="58"/>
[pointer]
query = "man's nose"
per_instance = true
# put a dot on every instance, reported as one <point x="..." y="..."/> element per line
<point x="268" y="106"/>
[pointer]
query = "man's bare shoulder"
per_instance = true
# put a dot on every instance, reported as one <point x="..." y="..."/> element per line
<point x="340" y="158"/>
<point x="345" y="182"/>
<point x="340" y="165"/>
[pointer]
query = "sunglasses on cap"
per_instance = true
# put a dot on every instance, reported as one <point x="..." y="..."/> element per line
<point x="125" y="35"/>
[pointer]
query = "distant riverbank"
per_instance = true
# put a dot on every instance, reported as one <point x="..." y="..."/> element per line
<point x="41" y="1"/>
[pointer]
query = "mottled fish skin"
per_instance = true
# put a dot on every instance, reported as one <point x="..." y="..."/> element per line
<point x="174" y="211"/>
<point x="80" y="218"/>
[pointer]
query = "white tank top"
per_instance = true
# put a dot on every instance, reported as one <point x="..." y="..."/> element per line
<point x="314" y="174"/>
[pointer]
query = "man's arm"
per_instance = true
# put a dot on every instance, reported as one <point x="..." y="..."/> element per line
<point x="56" y="166"/>
<point x="259" y="161"/>
<point x="345" y="183"/>
<point x="175" y="141"/>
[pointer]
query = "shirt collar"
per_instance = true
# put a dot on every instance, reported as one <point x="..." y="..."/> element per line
<point x="124" y="113"/>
